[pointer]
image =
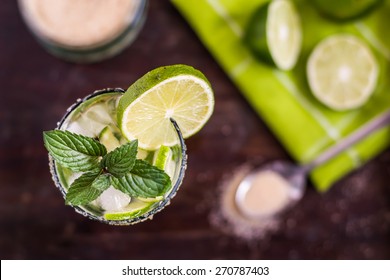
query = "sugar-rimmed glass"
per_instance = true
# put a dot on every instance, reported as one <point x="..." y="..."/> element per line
<point x="178" y="162"/>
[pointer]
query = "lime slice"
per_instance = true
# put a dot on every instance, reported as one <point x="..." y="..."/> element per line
<point x="108" y="139"/>
<point x="179" y="92"/>
<point x="274" y="34"/>
<point x="134" y="209"/>
<point x="342" y="72"/>
<point x="163" y="160"/>
<point x="161" y="157"/>
<point x="150" y="199"/>
<point x="346" y="9"/>
<point x="142" y="154"/>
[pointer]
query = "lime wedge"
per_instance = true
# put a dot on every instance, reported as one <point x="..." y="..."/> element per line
<point x="108" y="139"/>
<point x="342" y="72"/>
<point x="142" y="154"/>
<point x="161" y="157"/>
<point x="150" y="199"/>
<point x="134" y="209"/>
<point x="274" y="34"/>
<point x="346" y="9"/>
<point x="179" y="92"/>
<point x="163" y="160"/>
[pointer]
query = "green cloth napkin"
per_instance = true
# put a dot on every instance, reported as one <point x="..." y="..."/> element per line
<point x="303" y="125"/>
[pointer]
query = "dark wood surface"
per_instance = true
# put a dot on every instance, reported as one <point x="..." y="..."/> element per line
<point x="351" y="221"/>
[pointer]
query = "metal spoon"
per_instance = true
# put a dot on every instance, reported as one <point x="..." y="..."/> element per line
<point x="296" y="175"/>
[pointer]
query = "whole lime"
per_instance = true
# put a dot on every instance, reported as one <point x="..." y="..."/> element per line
<point x="346" y="9"/>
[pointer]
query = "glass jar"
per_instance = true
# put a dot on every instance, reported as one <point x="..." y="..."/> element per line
<point x="84" y="31"/>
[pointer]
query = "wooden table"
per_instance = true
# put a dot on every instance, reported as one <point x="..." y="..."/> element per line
<point x="351" y="221"/>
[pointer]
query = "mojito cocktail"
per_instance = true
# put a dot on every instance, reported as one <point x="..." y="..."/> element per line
<point x="119" y="156"/>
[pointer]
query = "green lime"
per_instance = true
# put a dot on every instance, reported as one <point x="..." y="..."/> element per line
<point x="346" y="9"/>
<point x="274" y="34"/>
<point x="143" y="154"/>
<point x="161" y="157"/>
<point x="179" y="92"/>
<point x="150" y="199"/>
<point x="134" y="209"/>
<point x="342" y="72"/>
<point x="110" y="136"/>
<point x="108" y="139"/>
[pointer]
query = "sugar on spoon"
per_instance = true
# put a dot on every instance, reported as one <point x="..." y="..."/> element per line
<point x="277" y="186"/>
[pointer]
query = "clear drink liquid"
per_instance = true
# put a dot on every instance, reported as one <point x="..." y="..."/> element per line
<point x="95" y="117"/>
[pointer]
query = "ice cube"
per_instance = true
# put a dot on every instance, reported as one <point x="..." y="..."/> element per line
<point x="113" y="200"/>
<point x="112" y="105"/>
<point x="91" y="122"/>
<point x="99" y="113"/>
<point x="73" y="176"/>
<point x="79" y="128"/>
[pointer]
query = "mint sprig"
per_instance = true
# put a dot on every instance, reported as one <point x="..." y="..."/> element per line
<point x="87" y="188"/>
<point x="144" y="180"/>
<point x="119" y="168"/>
<point x="74" y="151"/>
<point x="121" y="160"/>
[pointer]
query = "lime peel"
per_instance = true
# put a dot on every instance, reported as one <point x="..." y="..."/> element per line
<point x="108" y="139"/>
<point x="274" y="34"/>
<point x="134" y="209"/>
<point x="151" y="199"/>
<point x="344" y="10"/>
<point x="161" y="157"/>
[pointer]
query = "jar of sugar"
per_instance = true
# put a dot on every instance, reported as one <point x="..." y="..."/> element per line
<point x="84" y="31"/>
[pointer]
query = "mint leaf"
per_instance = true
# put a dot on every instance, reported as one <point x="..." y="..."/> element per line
<point x="74" y="151"/>
<point x="102" y="182"/>
<point x="121" y="160"/>
<point x="87" y="188"/>
<point x="144" y="180"/>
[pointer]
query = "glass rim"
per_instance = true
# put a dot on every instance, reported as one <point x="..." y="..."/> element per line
<point x="160" y="204"/>
<point x="97" y="51"/>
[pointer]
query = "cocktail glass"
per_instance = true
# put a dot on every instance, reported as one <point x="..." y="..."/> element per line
<point x="89" y="116"/>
